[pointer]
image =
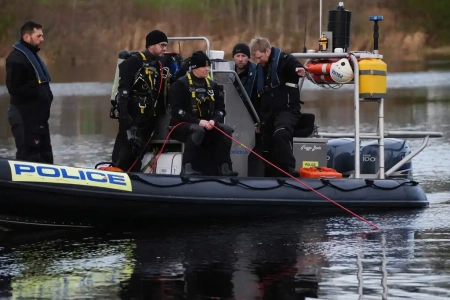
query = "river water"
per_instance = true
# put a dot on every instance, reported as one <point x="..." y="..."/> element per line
<point x="334" y="257"/>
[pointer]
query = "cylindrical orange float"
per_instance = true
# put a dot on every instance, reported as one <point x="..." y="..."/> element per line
<point x="319" y="70"/>
<point x="320" y="67"/>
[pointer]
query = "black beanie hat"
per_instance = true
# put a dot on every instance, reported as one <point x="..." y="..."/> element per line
<point x="199" y="59"/>
<point x="241" y="48"/>
<point x="155" y="37"/>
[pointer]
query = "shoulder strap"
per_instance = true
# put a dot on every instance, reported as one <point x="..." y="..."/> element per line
<point x="192" y="89"/>
<point x="191" y="85"/>
<point x="210" y="90"/>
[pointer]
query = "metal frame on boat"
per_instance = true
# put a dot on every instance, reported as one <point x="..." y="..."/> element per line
<point x="381" y="133"/>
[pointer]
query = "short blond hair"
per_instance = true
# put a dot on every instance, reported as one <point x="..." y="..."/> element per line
<point x="259" y="44"/>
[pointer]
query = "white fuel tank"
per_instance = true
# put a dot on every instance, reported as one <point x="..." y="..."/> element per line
<point x="168" y="163"/>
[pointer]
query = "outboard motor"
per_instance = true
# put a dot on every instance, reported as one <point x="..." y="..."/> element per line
<point x="394" y="151"/>
<point x="341" y="155"/>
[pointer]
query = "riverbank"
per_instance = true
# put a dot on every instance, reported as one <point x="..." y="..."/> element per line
<point x="89" y="34"/>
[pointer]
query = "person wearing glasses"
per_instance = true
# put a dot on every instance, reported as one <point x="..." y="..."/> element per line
<point x="277" y="77"/>
<point x="140" y="100"/>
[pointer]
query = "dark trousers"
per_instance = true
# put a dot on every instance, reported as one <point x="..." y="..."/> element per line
<point x="32" y="141"/>
<point x="277" y="142"/>
<point x="125" y="154"/>
<point x="205" y="150"/>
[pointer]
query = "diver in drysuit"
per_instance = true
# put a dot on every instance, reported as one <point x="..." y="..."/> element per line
<point x="139" y="101"/>
<point x="199" y="102"/>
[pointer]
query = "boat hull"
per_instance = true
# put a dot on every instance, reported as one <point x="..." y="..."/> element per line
<point x="43" y="201"/>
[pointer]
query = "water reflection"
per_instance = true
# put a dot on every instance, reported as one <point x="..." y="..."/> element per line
<point x="324" y="258"/>
<point x="291" y="259"/>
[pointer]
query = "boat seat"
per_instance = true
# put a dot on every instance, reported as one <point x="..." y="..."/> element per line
<point x="160" y="139"/>
<point x="305" y="125"/>
<point x="171" y="140"/>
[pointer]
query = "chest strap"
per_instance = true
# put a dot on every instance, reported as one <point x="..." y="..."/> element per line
<point x="150" y="73"/>
<point x="152" y="83"/>
<point x="195" y="100"/>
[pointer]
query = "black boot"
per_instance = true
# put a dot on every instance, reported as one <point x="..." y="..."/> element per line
<point x="225" y="170"/>
<point x="293" y="172"/>
<point x="188" y="170"/>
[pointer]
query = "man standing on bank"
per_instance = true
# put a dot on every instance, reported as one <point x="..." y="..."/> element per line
<point x="199" y="102"/>
<point x="27" y="80"/>
<point x="277" y="78"/>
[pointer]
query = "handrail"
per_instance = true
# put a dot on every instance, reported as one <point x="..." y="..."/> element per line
<point x="195" y="38"/>
<point x="247" y="98"/>
<point x="408" y="157"/>
<point x="389" y="133"/>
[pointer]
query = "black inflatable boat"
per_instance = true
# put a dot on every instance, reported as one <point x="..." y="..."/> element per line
<point x="51" y="195"/>
<point x="67" y="196"/>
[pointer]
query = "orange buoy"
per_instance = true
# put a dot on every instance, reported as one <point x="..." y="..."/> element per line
<point x="320" y="67"/>
<point x="319" y="71"/>
<point x="114" y="169"/>
<point x="318" y="172"/>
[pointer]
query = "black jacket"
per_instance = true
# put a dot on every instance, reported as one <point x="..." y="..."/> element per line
<point x="33" y="100"/>
<point x="276" y="96"/>
<point x="130" y="69"/>
<point x="181" y="102"/>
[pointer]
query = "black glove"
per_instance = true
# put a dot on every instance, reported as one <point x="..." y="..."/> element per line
<point x="135" y="141"/>
<point x="124" y="117"/>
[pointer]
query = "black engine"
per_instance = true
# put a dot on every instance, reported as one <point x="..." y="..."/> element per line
<point x="341" y="156"/>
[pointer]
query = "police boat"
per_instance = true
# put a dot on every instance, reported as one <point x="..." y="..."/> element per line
<point x="335" y="168"/>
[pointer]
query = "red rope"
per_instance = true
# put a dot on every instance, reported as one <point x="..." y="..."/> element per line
<point x="299" y="181"/>
<point x="268" y="162"/>
<point x="140" y="155"/>
<point x="165" y="142"/>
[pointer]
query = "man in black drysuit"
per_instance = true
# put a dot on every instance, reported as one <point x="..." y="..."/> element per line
<point x="27" y="80"/>
<point x="199" y="102"/>
<point x="277" y="78"/>
<point x="139" y="101"/>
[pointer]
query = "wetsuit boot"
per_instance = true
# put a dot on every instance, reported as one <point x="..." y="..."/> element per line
<point x="225" y="170"/>
<point x="188" y="170"/>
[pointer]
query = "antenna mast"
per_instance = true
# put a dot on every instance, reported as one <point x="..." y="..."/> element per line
<point x="320" y="19"/>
